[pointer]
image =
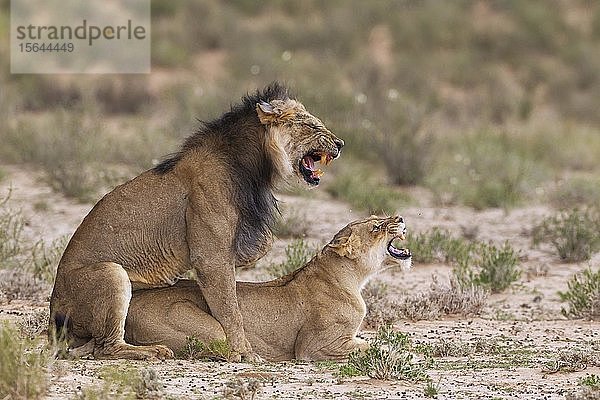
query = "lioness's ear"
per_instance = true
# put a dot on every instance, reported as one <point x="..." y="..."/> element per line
<point x="343" y="244"/>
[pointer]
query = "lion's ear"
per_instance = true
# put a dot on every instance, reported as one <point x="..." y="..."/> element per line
<point x="277" y="111"/>
<point x="267" y="114"/>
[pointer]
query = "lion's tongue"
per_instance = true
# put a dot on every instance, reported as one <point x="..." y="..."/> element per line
<point x="309" y="163"/>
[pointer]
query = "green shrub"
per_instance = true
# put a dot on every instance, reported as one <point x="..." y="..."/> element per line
<point x="483" y="170"/>
<point x="576" y="192"/>
<point x="297" y="254"/>
<point x="431" y="389"/>
<point x="441" y="299"/>
<point x="195" y="349"/>
<point x="125" y="384"/>
<point x="583" y="295"/>
<point x="573" y="233"/>
<point x="589" y="389"/>
<point x="381" y="310"/>
<point x="572" y="360"/>
<point x="19" y="284"/>
<point x="389" y="356"/>
<point x="45" y="258"/>
<point x="490" y="267"/>
<point x="438" y="245"/>
<point x="33" y="324"/>
<point x="590" y="380"/>
<point x="243" y="389"/>
<point x="291" y="225"/>
<point x="404" y="151"/>
<point x="11" y="235"/>
<point x="365" y="192"/>
<point x="476" y="264"/>
<point x="23" y="367"/>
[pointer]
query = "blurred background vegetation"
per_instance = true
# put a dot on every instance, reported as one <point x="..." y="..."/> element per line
<point x="481" y="103"/>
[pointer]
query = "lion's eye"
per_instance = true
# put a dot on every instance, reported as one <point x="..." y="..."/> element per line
<point x="376" y="228"/>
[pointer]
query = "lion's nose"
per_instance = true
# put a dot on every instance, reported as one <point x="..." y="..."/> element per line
<point x="339" y="143"/>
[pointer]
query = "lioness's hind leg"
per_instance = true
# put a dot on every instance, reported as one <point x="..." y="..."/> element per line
<point x="103" y="291"/>
<point x="152" y="320"/>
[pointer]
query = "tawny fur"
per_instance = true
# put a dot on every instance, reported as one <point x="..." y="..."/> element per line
<point x="208" y="207"/>
<point x="313" y="313"/>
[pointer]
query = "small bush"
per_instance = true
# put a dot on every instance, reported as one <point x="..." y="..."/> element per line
<point x="591" y="380"/>
<point x="459" y="348"/>
<point x="45" y="258"/>
<point x="589" y="389"/>
<point x="242" y="389"/>
<point x="442" y="299"/>
<point x="293" y="225"/>
<point x="34" y="324"/>
<point x="476" y="263"/>
<point x="11" y="235"/>
<point x="297" y="254"/>
<point x="389" y="356"/>
<point x="573" y="233"/>
<point x="381" y="310"/>
<point x="17" y="284"/>
<point x="23" y="367"/>
<point x="484" y="170"/>
<point x="124" y="383"/>
<point x="576" y="192"/>
<point x="438" y="246"/>
<point x="573" y="360"/>
<point x="431" y="389"/>
<point x="363" y="192"/>
<point x="583" y="295"/>
<point x="195" y="349"/>
<point x="490" y="267"/>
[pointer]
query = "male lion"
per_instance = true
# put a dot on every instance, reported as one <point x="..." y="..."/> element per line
<point x="313" y="313"/>
<point x="208" y="207"/>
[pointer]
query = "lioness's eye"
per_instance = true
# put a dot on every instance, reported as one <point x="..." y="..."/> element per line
<point x="376" y="228"/>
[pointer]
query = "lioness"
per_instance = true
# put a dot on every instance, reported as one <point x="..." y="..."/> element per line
<point x="209" y="207"/>
<point x="313" y="313"/>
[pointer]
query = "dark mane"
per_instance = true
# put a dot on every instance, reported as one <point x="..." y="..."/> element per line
<point x="239" y="138"/>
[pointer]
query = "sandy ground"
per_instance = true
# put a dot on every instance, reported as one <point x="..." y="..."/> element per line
<point x="524" y="324"/>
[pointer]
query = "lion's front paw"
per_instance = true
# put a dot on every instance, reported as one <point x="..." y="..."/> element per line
<point x="252" y="357"/>
<point x="360" y="344"/>
<point x="163" y="352"/>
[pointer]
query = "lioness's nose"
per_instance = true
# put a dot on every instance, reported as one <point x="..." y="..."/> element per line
<point x="339" y="143"/>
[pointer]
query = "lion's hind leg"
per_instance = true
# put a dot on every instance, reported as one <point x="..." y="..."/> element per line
<point x="100" y="296"/>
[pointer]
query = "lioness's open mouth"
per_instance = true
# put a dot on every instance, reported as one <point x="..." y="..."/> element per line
<point x="307" y="167"/>
<point x="399" y="253"/>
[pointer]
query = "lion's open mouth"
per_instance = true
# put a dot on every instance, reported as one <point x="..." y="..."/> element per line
<point x="310" y="173"/>
<point x="400" y="253"/>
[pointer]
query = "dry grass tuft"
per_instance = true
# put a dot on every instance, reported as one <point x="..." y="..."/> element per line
<point x="23" y="367"/>
<point x="443" y="299"/>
